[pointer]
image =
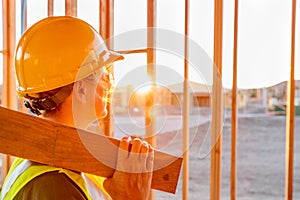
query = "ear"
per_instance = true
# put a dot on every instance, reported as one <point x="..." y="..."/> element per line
<point x="80" y="91"/>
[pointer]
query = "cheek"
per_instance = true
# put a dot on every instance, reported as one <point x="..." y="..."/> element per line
<point x="100" y="99"/>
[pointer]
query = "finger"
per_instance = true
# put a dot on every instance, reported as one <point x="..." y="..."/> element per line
<point x="150" y="159"/>
<point x="123" y="154"/>
<point x="144" y="147"/>
<point x="144" y="155"/>
<point x="124" y="147"/>
<point x="136" y="145"/>
<point x="137" y="166"/>
<point x="125" y="143"/>
<point x="133" y="136"/>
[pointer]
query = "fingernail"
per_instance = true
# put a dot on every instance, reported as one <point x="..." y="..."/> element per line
<point x="145" y="143"/>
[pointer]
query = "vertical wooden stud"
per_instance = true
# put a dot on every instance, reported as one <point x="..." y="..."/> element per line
<point x="234" y="117"/>
<point x="217" y="105"/>
<point x="107" y="20"/>
<point x="150" y="119"/>
<point x="9" y="98"/>
<point x="71" y="7"/>
<point x="186" y="107"/>
<point x="290" y="114"/>
<point x="107" y="31"/>
<point x="50" y="9"/>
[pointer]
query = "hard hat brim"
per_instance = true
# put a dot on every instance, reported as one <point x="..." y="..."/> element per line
<point x="114" y="56"/>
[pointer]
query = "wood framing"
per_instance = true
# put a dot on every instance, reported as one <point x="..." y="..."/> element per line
<point x="150" y="119"/>
<point x="186" y="107"/>
<point x="9" y="98"/>
<point x="50" y="7"/>
<point x="106" y="29"/>
<point x="217" y="106"/>
<point x="234" y="113"/>
<point x="51" y="143"/>
<point x="71" y="7"/>
<point x="290" y="114"/>
<point x="106" y="13"/>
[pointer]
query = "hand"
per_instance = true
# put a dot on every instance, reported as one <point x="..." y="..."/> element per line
<point x="133" y="175"/>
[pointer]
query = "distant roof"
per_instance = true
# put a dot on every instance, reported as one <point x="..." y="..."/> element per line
<point x="194" y="87"/>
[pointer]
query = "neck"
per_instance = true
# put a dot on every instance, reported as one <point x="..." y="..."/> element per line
<point x="62" y="114"/>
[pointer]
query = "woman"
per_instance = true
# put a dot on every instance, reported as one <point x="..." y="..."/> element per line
<point x="62" y="68"/>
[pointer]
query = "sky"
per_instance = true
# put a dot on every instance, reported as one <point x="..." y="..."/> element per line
<point x="263" y="43"/>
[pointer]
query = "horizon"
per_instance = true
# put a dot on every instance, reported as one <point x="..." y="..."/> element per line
<point x="282" y="82"/>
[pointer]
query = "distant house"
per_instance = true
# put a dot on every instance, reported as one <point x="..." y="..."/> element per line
<point x="120" y="98"/>
<point x="242" y="98"/>
<point x="200" y="94"/>
<point x="279" y="91"/>
<point x="173" y="95"/>
<point x="277" y="97"/>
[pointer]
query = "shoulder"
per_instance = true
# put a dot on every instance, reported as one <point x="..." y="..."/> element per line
<point x="51" y="185"/>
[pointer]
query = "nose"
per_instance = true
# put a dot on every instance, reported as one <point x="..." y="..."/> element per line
<point x="109" y="79"/>
<point x="106" y="81"/>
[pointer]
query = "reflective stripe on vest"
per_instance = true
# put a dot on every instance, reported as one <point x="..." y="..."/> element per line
<point x="23" y="171"/>
<point x="95" y="186"/>
<point x="13" y="176"/>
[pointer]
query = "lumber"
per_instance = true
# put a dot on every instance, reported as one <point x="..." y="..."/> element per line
<point x="217" y="106"/>
<point x="290" y="115"/>
<point x="47" y="142"/>
<point x="8" y="97"/>
<point x="234" y="108"/>
<point x="186" y="106"/>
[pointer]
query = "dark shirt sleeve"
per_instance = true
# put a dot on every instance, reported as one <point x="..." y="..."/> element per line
<point x="51" y="186"/>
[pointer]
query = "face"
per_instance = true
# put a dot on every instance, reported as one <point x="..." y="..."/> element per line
<point x="103" y="93"/>
<point x="100" y="88"/>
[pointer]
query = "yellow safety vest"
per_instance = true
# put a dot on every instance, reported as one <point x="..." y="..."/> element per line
<point x="23" y="171"/>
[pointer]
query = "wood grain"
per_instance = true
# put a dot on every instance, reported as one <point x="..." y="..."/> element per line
<point x="51" y="143"/>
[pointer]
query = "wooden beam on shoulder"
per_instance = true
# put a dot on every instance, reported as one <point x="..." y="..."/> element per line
<point x="54" y="144"/>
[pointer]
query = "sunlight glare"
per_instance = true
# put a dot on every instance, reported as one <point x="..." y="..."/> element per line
<point x="145" y="89"/>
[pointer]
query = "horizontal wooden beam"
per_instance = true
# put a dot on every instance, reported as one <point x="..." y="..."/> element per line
<point x="51" y="143"/>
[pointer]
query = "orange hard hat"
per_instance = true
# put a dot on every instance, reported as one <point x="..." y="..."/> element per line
<point x="57" y="51"/>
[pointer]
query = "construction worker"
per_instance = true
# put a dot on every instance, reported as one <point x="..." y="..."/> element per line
<point x="61" y="65"/>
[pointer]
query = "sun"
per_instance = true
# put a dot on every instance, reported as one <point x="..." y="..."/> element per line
<point x="144" y="89"/>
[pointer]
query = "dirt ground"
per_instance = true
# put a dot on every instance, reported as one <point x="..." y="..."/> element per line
<point x="260" y="162"/>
